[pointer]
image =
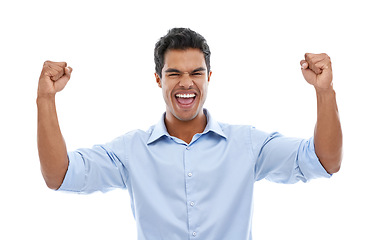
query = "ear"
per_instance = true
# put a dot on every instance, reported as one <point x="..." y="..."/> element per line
<point x="210" y="73"/>
<point x="158" y="80"/>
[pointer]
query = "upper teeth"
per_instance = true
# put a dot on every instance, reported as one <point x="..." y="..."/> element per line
<point x="185" y="95"/>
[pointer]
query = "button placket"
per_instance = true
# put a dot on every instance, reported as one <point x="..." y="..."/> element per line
<point x="189" y="189"/>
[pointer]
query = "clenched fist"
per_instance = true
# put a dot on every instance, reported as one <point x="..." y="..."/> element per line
<point x="53" y="78"/>
<point x="317" y="70"/>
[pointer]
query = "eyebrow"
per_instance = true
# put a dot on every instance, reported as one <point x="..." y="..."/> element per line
<point x="178" y="71"/>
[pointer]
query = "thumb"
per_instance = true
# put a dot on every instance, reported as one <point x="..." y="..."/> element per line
<point x="68" y="71"/>
<point x="304" y="64"/>
<point x="308" y="74"/>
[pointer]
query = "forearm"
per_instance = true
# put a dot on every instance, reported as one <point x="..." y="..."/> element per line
<point x="51" y="145"/>
<point x="328" y="133"/>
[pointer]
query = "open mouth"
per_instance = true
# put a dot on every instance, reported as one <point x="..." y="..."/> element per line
<point x="185" y="100"/>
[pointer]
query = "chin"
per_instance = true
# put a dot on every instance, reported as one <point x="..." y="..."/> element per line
<point x="185" y="117"/>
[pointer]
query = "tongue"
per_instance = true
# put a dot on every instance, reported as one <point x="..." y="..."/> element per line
<point x="185" y="101"/>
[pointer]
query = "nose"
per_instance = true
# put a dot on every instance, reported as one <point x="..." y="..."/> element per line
<point x="185" y="80"/>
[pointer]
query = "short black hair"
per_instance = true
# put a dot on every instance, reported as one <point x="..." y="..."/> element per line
<point x="179" y="38"/>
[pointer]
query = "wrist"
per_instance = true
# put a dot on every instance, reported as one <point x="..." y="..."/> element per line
<point x="45" y="98"/>
<point x="326" y="97"/>
<point x="325" y="91"/>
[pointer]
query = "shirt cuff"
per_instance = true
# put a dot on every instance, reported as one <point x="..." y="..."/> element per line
<point x="74" y="179"/>
<point x="309" y="163"/>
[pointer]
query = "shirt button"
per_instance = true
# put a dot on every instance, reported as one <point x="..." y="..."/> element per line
<point x="190" y="174"/>
<point x="194" y="234"/>
<point x="192" y="204"/>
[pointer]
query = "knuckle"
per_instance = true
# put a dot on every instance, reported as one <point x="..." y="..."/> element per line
<point x="326" y="56"/>
<point x="308" y="56"/>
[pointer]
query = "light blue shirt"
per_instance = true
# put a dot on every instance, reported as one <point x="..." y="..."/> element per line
<point x="202" y="190"/>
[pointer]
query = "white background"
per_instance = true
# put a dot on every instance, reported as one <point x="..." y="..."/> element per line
<point x="256" y="48"/>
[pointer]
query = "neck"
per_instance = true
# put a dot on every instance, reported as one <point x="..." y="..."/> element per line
<point x="185" y="130"/>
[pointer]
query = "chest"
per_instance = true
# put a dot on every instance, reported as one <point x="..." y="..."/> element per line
<point x="206" y="164"/>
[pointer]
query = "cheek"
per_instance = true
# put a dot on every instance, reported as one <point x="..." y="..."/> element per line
<point x="204" y="88"/>
<point x="166" y="90"/>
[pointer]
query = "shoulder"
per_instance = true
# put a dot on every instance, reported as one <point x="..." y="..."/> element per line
<point x="248" y="133"/>
<point x="237" y="133"/>
<point x="233" y="129"/>
<point x="137" y="134"/>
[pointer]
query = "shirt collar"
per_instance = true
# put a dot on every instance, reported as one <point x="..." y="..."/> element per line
<point x="160" y="129"/>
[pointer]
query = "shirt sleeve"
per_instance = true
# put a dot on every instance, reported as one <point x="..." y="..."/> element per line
<point x="285" y="160"/>
<point x="100" y="168"/>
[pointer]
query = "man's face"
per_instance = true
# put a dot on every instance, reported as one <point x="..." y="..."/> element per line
<point x="184" y="83"/>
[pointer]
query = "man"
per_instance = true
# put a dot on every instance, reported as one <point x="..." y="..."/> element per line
<point x="189" y="177"/>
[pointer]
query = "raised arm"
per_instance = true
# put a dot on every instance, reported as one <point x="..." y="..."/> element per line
<point x="317" y="71"/>
<point x="51" y="145"/>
